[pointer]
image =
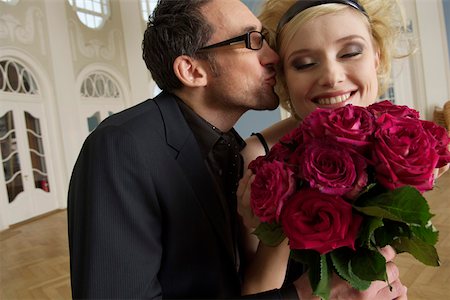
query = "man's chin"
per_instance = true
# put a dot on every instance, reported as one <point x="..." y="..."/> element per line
<point x="273" y="104"/>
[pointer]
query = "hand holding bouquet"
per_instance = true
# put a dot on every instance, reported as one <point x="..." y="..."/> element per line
<point x="347" y="182"/>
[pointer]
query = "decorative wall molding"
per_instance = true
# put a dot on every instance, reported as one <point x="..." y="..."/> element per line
<point x="96" y="48"/>
<point x="33" y="28"/>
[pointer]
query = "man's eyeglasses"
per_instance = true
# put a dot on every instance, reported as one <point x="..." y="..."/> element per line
<point x="254" y="40"/>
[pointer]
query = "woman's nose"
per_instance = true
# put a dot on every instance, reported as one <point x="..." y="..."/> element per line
<point x="332" y="74"/>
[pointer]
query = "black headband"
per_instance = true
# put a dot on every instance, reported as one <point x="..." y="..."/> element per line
<point x="301" y="5"/>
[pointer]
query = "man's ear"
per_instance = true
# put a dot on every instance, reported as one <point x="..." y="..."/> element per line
<point x="190" y="72"/>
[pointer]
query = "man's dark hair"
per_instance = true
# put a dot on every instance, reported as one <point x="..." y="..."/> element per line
<point x="176" y="27"/>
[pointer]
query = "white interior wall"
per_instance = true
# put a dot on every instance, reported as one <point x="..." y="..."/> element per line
<point x="431" y="78"/>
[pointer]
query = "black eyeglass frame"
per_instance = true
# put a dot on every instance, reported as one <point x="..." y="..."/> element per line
<point x="245" y="37"/>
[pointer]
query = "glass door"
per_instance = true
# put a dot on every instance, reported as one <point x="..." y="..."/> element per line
<point x="27" y="179"/>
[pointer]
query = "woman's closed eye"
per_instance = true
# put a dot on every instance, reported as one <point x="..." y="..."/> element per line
<point x="303" y="64"/>
<point x="351" y="51"/>
<point x="351" y="54"/>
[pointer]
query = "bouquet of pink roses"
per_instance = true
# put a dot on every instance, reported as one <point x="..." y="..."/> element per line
<point x="347" y="182"/>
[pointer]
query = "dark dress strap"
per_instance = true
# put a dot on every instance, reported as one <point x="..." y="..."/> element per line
<point x="262" y="140"/>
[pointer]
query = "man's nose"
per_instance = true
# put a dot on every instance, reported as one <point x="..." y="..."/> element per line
<point x="269" y="57"/>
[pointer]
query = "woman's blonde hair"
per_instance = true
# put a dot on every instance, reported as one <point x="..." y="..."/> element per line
<point x="384" y="20"/>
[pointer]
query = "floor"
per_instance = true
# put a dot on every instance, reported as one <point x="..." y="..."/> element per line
<point x="34" y="262"/>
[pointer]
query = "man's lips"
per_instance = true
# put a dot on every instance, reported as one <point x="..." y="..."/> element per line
<point x="272" y="80"/>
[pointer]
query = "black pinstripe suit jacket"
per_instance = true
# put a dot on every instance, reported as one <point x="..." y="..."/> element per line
<point x="144" y="218"/>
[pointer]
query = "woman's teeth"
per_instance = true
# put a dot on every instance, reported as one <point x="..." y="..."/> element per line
<point x="333" y="100"/>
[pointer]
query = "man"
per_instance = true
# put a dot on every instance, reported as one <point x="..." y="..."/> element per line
<point x="152" y="197"/>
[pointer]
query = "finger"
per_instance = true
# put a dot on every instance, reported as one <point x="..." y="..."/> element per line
<point x="404" y="296"/>
<point x="243" y="183"/>
<point x="392" y="272"/>
<point x="388" y="252"/>
<point x="244" y="192"/>
<point x="396" y="290"/>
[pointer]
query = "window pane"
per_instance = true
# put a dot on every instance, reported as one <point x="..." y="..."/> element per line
<point x="97" y="7"/>
<point x="101" y="85"/>
<point x="12" y="2"/>
<point x="10" y="156"/>
<point x="15" y="78"/>
<point x="37" y="154"/>
<point x="91" y="13"/>
<point x="93" y="121"/>
<point x="147" y="8"/>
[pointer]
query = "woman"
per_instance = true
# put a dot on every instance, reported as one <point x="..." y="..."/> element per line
<point x="333" y="53"/>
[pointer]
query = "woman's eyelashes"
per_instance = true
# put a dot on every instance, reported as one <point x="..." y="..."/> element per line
<point x="303" y="66"/>
<point x="351" y="51"/>
<point x="304" y="63"/>
<point x="351" y="54"/>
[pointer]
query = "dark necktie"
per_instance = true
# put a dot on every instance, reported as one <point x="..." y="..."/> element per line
<point x="231" y="164"/>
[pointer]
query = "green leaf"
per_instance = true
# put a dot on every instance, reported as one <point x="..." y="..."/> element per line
<point x="270" y="234"/>
<point x="320" y="278"/>
<point x="367" y="190"/>
<point x="428" y="234"/>
<point x="421" y="250"/>
<point x="368" y="228"/>
<point x="314" y="269"/>
<point x="391" y="231"/>
<point x="404" y="204"/>
<point x="368" y="265"/>
<point x="370" y="192"/>
<point x="341" y="262"/>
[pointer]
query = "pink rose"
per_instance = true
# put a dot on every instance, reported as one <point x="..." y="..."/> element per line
<point x="332" y="168"/>
<point x="293" y="138"/>
<point x="403" y="153"/>
<point x="439" y="135"/>
<point x="257" y="163"/>
<point x="312" y="125"/>
<point x="386" y="107"/>
<point x="273" y="185"/>
<point x="280" y="152"/>
<point x="316" y="221"/>
<point x="352" y="125"/>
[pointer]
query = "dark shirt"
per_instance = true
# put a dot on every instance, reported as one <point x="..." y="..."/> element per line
<point x="221" y="153"/>
<point x="221" y="150"/>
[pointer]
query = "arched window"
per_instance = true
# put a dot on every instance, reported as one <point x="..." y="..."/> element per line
<point x="147" y="8"/>
<point x="15" y="78"/>
<point x="92" y="13"/>
<point x="99" y="85"/>
<point x="101" y="97"/>
<point x="12" y="2"/>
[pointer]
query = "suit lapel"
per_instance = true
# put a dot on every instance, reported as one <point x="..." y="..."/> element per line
<point x="180" y="137"/>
